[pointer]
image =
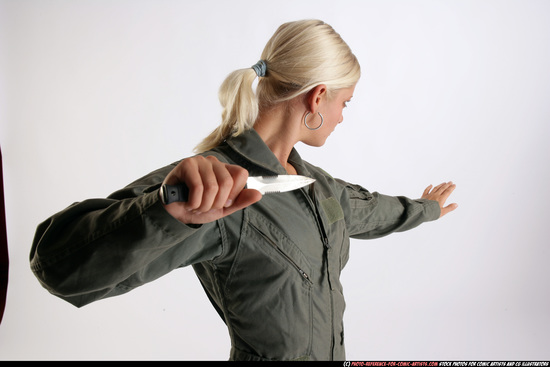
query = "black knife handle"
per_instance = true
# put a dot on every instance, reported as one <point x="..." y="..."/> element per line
<point x="173" y="193"/>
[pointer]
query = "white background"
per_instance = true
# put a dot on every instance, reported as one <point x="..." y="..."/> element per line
<point x="97" y="93"/>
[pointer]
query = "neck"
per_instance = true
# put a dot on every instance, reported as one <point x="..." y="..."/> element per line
<point x="279" y="129"/>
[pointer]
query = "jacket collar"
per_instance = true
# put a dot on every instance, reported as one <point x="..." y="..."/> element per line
<point x="250" y="146"/>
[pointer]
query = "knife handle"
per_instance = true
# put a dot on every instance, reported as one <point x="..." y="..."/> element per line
<point x="173" y="193"/>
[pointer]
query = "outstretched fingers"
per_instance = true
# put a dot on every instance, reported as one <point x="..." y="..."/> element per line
<point x="441" y="193"/>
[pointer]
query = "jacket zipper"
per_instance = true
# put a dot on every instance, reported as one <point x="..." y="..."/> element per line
<point x="280" y="251"/>
<point x="312" y="200"/>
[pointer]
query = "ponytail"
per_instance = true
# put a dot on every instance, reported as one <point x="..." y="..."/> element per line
<point x="240" y="108"/>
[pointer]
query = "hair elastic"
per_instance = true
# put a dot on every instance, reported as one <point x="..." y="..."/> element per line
<point x="260" y="68"/>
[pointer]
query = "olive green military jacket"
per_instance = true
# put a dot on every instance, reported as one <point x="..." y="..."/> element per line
<point x="271" y="270"/>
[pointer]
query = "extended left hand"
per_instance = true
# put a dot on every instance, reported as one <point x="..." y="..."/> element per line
<point x="441" y="193"/>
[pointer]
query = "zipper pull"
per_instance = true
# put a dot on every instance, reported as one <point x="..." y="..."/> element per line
<point x="306" y="277"/>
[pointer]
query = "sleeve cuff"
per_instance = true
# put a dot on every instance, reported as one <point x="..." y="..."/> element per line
<point x="433" y="209"/>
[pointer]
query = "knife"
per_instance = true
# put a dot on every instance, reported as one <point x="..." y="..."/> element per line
<point x="264" y="184"/>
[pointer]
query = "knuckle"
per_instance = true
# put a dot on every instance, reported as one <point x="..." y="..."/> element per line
<point x="187" y="163"/>
<point x="198" y="158"/>
<point x="210" y="186"/>
<point x="226" y="182"/>
<point x="241" y="173"/>
<point x="211" y="158"/>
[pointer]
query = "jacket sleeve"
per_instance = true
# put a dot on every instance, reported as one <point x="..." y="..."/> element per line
<point x="372" y="215"/>
<point x="100" y="248"/>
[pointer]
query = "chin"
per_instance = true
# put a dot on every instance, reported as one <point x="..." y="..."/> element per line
<point x="316" y="143"/>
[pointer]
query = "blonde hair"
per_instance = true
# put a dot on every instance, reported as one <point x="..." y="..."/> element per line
<point x="299" y="56"/>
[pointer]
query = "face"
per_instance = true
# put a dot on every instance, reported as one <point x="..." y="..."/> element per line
<point x="332" y="110"/>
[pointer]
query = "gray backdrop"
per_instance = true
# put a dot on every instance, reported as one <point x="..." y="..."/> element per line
<point x="94" y="94"/>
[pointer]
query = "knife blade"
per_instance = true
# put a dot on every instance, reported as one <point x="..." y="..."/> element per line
<point x="264" y="184"/>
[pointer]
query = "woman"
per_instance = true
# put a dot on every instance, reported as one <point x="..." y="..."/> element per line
<point x="270" y="265"/>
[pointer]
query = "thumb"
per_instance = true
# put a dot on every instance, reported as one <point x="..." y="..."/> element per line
<point x="246" y="198"/>
<point x="449" y="208"/>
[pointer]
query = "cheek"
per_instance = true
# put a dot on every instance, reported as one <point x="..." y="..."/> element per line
<point x="332" y="116"/>
<point x="338" y="116"/>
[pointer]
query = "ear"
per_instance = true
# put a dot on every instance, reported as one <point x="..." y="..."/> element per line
<point x="315" y="97"/>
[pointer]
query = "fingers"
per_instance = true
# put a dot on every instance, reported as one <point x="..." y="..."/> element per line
<point x="217" y="183"/>
<point x="245" y="198"/>
<point x="239" y="176"/>
<point x="214" y="186"/>
<point x="442" y="188"/>
<point x="441" y="193"/>
<point x="445" y="189"/>
<point x="426" y="191"/>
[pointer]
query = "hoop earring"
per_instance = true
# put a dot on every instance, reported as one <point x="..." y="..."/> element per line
<point x="313" y="128"/>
